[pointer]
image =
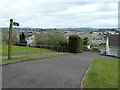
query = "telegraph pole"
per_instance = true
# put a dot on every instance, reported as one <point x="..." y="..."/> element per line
<point x="10" y="39"/>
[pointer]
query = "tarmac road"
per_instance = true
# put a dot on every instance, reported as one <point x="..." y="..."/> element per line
<point x="56" y="72"/>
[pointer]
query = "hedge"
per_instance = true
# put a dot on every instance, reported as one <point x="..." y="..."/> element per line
<point x="75" y="44"/>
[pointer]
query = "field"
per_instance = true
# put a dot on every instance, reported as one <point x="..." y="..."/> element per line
<point x="103" y="73"/>
<point x="21" y="50"/>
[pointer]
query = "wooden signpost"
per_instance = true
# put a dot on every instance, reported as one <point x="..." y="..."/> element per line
<point x="10" y="36"/>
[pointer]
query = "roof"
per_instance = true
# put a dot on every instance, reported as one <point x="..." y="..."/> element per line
<point x="28" y="35"/>
<point x="114" y="40"/>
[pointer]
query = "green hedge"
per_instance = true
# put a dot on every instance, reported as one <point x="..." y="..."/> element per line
<point x="58" y="41"/>
<point x="95" y="49"/>
<point x="81" y="45"/>
<point x="75" y="44"/>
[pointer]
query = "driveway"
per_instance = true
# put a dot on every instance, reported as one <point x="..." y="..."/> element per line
<point x="56" y="72"/>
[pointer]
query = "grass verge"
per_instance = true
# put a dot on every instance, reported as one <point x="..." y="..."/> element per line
<point x="13" y="60"/>
<point x="103" y="73"/>
<point x="21" y="50"/>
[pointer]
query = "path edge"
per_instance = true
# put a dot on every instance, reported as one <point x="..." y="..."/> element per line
<point x="31" y="60"/>
<point x="82" y="82"/>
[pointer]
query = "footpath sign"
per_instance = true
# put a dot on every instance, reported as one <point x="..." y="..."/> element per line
<point x="10" y="36"/>
<point x="15" y="24"/>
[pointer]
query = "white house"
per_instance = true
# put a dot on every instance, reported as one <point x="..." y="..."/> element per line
<point x="113" y="45"/>
<point x="31" y="40"/>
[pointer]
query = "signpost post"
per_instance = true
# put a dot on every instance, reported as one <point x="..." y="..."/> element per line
<point x="10" y="37"/>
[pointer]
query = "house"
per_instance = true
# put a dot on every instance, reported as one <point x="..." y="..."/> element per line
<point x="113" y="45"/>
<point x="31" y="40"/>
<point x="101" y="42"/>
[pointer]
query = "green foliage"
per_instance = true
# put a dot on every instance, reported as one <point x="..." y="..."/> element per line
<point x="85" y="47"/>
<point x="91" y="32"/>
<point x="75" y="44"/>
<point x="85" y="41"/>
<point x="22" y="38"/>
<point x="95" y="49"/>
<point x="103" y="73"/>
<point x="81" y="48"/>
<point x="51" y="39"/>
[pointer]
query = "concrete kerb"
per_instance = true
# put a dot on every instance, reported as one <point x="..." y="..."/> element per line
<point x="82" y="82"/>
<point x="31" y="59"/>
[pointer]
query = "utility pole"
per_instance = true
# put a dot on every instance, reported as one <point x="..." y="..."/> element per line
<point x="10" y="39"/>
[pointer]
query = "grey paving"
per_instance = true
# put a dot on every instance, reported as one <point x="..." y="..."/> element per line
<point x="57" y="72"/>
<point x="39" y="54"/>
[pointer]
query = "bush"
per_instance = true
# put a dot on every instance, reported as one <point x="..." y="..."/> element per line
<point x="95" y="49"/>
<point x="81" y="45"/>
<point x="55" y="40"/>
<point x="75" y="44"/>
<point x="85" y="47"/>
<point x="85" y="41"/>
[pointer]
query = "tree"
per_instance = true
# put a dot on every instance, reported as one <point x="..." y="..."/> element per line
<point x="22" y="38"/>
<point x="85" y="41"/>
<point x="5" y="35"/>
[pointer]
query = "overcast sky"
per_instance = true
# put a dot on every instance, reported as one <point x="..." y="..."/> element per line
<point x="34" y="13"/>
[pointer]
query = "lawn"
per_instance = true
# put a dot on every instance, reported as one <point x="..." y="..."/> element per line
<point x="7" y="61"/>
<point x="103" y="73"/>
<point x="21" y="50"/>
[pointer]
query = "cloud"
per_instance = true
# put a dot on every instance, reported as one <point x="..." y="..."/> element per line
<point x="34" y="13"/>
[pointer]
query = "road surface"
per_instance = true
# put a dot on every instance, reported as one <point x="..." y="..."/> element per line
<point x="56" y="72"/>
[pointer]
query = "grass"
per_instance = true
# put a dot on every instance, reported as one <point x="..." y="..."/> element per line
<point x="12" y="60"/>
<point x="21" y="50"/>
<point x="102" y="46"/>
<point x="103" y="73"/>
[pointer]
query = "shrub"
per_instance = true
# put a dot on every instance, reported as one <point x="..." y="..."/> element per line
<point x="54" y="40"/>
<point x="85" y="47"/>
<point x="75" y="44"/>
<point x="81" y="45"/>
<point x="85" y="41"/>
<point x="95" y="49"/>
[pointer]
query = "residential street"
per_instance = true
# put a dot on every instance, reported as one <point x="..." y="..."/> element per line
<point x="56" y="72"/>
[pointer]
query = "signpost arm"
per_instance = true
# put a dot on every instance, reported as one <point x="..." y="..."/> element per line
<point x="10" y="39"/>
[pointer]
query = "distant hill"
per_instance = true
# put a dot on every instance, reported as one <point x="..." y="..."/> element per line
<point x="83" y="29"/>
<point x="80" y="29"/>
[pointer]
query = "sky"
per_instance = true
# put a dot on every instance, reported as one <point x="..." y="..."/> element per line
<point x="60" y="14"/>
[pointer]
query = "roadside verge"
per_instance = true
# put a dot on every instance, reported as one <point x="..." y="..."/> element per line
<point x="27" y="58"/>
